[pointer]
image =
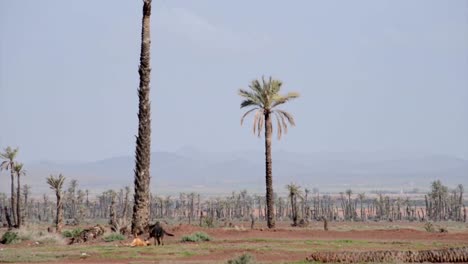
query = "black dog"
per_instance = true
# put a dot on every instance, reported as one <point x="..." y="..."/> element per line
<point x="158" y="233"/>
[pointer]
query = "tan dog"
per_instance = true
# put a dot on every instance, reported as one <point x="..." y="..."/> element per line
<point x="137" y="242"/>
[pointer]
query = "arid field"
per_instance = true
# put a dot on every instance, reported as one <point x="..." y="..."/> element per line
<point x="235" y="132"/>
<point x="284" y="244"/>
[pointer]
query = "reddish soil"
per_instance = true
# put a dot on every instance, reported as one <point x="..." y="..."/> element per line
<point x="247" y="238"/>
<point x="310" y="234"/>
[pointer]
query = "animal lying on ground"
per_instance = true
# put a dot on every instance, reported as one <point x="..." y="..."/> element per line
<point x="137" y="242"/>
<point x="157" y="231"/>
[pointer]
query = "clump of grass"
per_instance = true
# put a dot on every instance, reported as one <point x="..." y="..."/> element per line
<point x="72" y="233"/>
<point x="345" y="241"/>
<point x="31" y="235"/>
<point x="196" y="237"/>
<point x="242" y="259"/>
<point x="9" y="238"/>
<point x="429" y="227"/>
<point x="40" y="236"/>
<point x="114" y="237"/>
<point x="208" y="222"/>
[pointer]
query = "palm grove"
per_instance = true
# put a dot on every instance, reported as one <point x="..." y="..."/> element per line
<point x="263" y="100"/>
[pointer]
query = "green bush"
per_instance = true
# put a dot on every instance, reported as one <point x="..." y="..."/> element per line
<point x="114" y="237"/>
<point x="196" y="237"/>
<point x="9" y="238"/>
<point x="72" y="233"/>
<point x="242" y="259"/>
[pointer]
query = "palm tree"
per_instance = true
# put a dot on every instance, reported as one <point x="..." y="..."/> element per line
<point x="9" y="156"/>
<point x="26" y="192"/>
<point x="305" y="204"/>
<point x="143" y="142"/>
<point x="362" y="196"/>
<point x="349" y="214"/>
<point x="294" y="192"/>
<point x="264" y="98"/>
<point x="56" y="184"/>
<point x="19" y="171"/>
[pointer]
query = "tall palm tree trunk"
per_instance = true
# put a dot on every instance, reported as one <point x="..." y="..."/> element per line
<point x="18" y="201"/>
<point x="13" y="199"/>
<point x="143" y="144"/>
<point x="269" y="171"/>
<point x="293" y="209"/>
<point x="59" y="214"/>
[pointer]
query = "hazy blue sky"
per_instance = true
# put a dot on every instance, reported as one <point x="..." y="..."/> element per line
<point x="374" y="75"/>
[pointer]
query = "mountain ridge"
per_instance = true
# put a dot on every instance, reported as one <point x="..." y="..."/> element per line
<point x="212" y="172"/>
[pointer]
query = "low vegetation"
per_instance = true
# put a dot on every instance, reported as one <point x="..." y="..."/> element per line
<point x="9" y="238"/>
<point x="38" y="237"/>
<point x="196" y="237"/>
<point x="114" y="237"/>
<point x="242" y="259"/>
<point x="72" y="233"/>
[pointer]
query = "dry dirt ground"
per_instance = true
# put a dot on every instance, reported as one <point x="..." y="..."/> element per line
<point x="282" y="245"/>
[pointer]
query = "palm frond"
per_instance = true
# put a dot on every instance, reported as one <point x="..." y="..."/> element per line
<point x="256" y="87"/>
<point x="275" y="86"/>
<point x="284" y="123"/>
<point x="9" y="153"/>
<point x="288" y="116"/>
<point x="250" y="98"/>
<point x="292" y="95"/>
<point x="247" y="95"/>
<point x="246" y="113"/>
<point x="56" y="183"/>
<point x="281" y="99"/>
<point x="247" y="102"/>
<point x="18" y="169"/>
<point x="5" y="165"/>
<point x="294" y="189"/>
<point x="279" y="126"/>
<point x="281" y="123"/>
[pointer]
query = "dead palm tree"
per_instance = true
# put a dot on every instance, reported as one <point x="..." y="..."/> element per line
<point x="264" y="98"/>
<point x="362" y="196"/>
<point x="8" y="163"/>
<point x="143" y="142"/>
<point x="56" y="184"/>
<point x="294" y="191"/>
<point x="19" y="171"/>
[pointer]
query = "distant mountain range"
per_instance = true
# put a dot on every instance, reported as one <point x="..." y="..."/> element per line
<point x="189" y="170"/>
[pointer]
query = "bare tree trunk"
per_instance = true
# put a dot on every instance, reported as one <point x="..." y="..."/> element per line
<point x="125" y="206"/>
<point x="464" y="213"/>
<point x="18" y="201"/>
<point x="26" y="189"/>
<point x="59" y="214"/>
<point x="13" y="199"/>
<point x="143" y="144"/>
<point x="113" y="216"/>
<point x="269" y="172"/>
<point x="325" y="223"/>
<point x="7" y="216"/>
<point x="252" y="220"/>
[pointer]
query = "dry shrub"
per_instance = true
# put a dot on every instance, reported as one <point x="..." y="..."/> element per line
<point x="42" y="237"/>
